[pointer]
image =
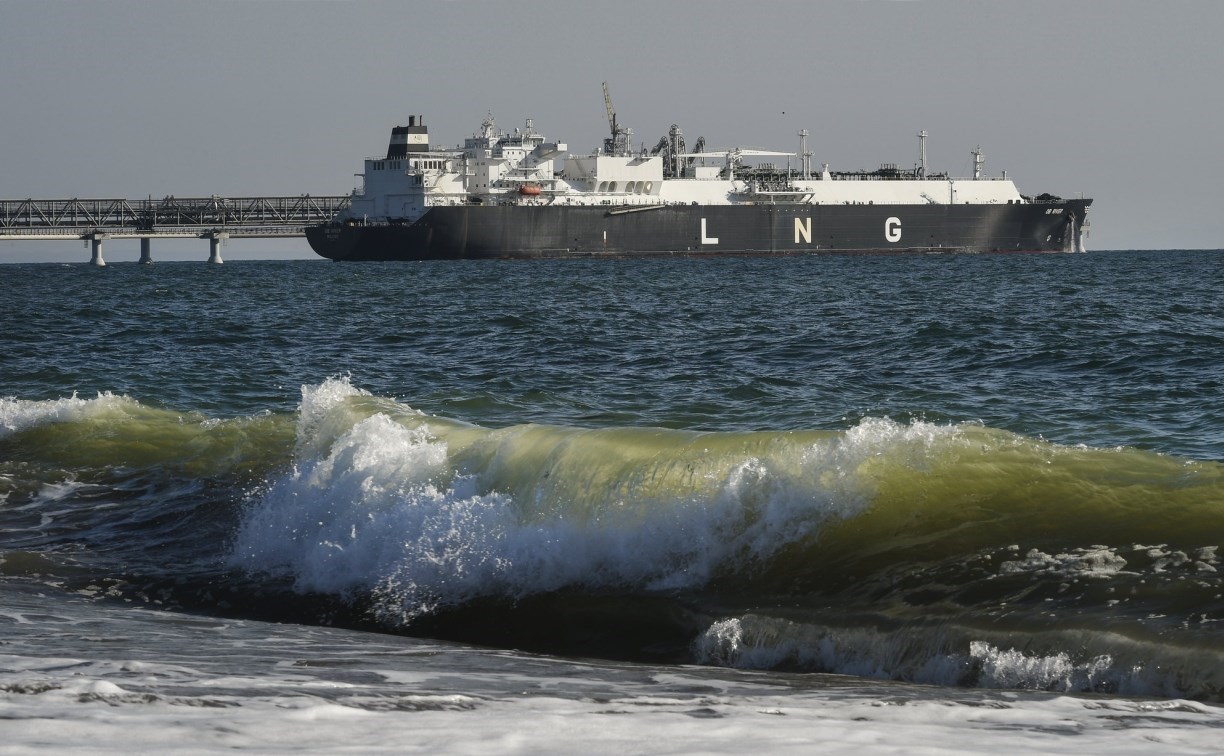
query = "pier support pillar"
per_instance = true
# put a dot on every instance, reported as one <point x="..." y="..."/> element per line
<point x="146" y="246"/>
<point x="95" y="243"/>
<point x="214" y="247"/>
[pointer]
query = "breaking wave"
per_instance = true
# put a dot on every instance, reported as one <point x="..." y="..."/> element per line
<point x="940" y="553"/>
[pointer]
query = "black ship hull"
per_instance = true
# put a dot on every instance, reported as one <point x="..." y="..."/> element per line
<point x="533" y="231"/>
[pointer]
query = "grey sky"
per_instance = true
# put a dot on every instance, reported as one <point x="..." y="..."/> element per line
<point x="1117" y="99"/>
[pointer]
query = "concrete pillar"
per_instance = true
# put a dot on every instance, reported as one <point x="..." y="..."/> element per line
<point x="214" y="247"/>
<point x="146" y="246"/>
<point x="96" y="246"/>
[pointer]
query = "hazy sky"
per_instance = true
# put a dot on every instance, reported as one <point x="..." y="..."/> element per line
<point x="1117" y="99"/>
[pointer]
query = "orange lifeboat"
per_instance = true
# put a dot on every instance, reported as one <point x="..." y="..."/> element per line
<point x="529" y="190"/>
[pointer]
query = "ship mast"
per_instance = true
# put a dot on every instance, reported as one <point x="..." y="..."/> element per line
<point x="922" y="167"/>
<point x="804" y="155"/>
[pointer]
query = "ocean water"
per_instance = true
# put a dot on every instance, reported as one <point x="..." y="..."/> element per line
<point x="891" y="504"/>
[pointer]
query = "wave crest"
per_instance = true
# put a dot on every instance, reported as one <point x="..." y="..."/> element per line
<point x="424" y="512"/>
<point x="946" y="654"/>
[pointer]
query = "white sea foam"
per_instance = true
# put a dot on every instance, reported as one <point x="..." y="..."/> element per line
<point x="17" y="415"/>
<point x="1011" y="668"/>
<point x="162" y="682"/>
<point x="1096" y="562"/>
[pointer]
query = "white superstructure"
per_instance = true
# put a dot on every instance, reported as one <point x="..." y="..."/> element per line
<point x="524" y="168"/>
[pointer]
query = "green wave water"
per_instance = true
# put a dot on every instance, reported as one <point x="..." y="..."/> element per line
<point x="792" y="548"/>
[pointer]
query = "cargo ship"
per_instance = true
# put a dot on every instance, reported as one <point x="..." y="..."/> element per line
<point x="519" y="195"/>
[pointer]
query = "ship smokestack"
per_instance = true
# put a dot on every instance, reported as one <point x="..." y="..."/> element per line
<point x="411" y="138"/>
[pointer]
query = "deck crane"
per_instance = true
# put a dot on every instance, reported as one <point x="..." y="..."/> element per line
<point x="618" y="143"/>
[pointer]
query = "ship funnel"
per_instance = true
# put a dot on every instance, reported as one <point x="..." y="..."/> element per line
<point x="411" y="138"/>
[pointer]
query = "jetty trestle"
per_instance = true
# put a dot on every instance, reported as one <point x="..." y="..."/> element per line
<point x="214" y="218"/>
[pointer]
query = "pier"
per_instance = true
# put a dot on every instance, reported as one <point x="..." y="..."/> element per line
<point x="213" y="218"/>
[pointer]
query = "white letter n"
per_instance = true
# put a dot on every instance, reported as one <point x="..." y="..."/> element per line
<point x="803" y="228"/>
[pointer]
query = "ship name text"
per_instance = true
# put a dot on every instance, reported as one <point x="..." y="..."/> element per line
<point x="803" y="231"/>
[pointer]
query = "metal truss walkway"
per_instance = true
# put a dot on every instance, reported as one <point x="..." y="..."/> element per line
<point x="215" y="218"/>
<point x="171" y="216"/>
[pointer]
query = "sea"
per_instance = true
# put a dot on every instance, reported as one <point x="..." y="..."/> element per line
<point x="902" y="505"/>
